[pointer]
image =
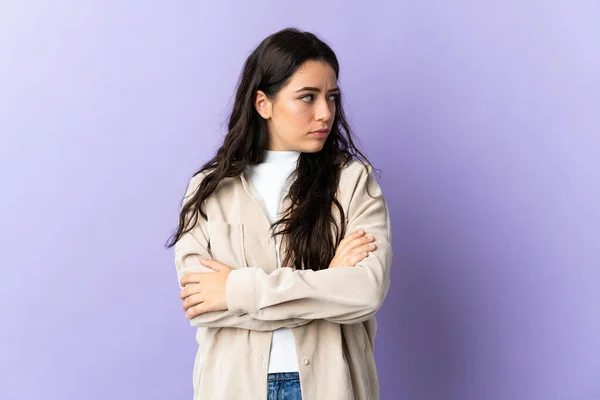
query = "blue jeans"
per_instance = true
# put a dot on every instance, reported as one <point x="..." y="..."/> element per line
<point x="284" y="386"/>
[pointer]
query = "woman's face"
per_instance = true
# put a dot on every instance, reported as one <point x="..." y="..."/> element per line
<point x="304" y="106"/>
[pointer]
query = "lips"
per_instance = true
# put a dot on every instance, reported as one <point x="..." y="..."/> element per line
<point x="321" y="134"/>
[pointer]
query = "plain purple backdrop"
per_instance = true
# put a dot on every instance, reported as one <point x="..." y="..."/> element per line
<point x="483" y="117"/>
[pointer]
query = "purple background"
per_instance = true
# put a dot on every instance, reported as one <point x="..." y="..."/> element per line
<point x="484" y="118"/>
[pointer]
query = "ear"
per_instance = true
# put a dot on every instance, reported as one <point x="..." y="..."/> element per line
<point x="263" y="104"/>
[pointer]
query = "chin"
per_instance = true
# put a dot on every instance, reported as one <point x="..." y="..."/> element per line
<point x="313" y="147"/>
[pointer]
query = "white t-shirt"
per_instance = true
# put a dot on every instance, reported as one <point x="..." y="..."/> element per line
<point x="271" y="179"/>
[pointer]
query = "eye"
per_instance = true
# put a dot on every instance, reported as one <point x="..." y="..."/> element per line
<point x="308" y="98"/>
<point x="334" y="97"/>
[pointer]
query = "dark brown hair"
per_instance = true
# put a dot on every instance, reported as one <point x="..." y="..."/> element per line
<point x="308" y="227"/>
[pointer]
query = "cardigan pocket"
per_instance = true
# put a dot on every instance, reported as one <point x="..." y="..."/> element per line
<point x="226" y="243"/>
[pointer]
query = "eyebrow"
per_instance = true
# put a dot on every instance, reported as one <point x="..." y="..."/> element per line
<point x="314" y="89"/>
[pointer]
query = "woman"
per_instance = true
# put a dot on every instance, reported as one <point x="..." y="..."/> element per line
<point x="275" y="245"/>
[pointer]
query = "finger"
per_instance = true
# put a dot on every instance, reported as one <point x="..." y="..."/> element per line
<point x="212" y="264"/>
<point x="191" y="277"/>
<point x="192" y="301"/>
<point x="352" y="236"/>
<point x="356" y="258"/>
<point x="344" y="244"/>
<point x="196" y="310"/>
<point x="356" y="243"/>
<point x="355" y="235"/>
<point x="189" y="290"/>
<point x="366" y="248"/>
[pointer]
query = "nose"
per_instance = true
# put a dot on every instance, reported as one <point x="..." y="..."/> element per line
<point x="324" y="110"/>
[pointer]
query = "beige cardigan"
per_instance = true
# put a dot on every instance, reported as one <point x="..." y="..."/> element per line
<point x="331" y="311"/>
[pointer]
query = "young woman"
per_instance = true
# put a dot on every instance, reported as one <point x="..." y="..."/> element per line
<point x="275" y="248"/>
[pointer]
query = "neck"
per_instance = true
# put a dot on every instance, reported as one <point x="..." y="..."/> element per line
<point x="280" y="156"/>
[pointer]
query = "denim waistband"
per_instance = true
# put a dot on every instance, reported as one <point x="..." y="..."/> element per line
<point x="283" y="376"/>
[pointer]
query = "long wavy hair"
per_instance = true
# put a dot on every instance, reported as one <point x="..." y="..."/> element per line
<point x="308" y="229"/>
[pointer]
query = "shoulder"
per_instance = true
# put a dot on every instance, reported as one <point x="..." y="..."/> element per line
<point x="355" y="171"/>
<point x="356" y="168"/>
<point x="356" y="178"/>
<point x="223" y="187"/>
<point x="194" y="182"/>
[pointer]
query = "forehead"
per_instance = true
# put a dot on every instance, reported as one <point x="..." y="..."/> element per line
<point x="313" y="73"/>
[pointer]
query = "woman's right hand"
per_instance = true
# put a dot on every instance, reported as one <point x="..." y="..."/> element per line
<point x="352" y="250"/>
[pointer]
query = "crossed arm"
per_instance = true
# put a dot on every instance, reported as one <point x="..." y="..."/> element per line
<point x="255" y="300"/>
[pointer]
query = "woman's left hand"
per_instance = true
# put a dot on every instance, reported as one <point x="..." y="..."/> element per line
<point x="205" y="291"/>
